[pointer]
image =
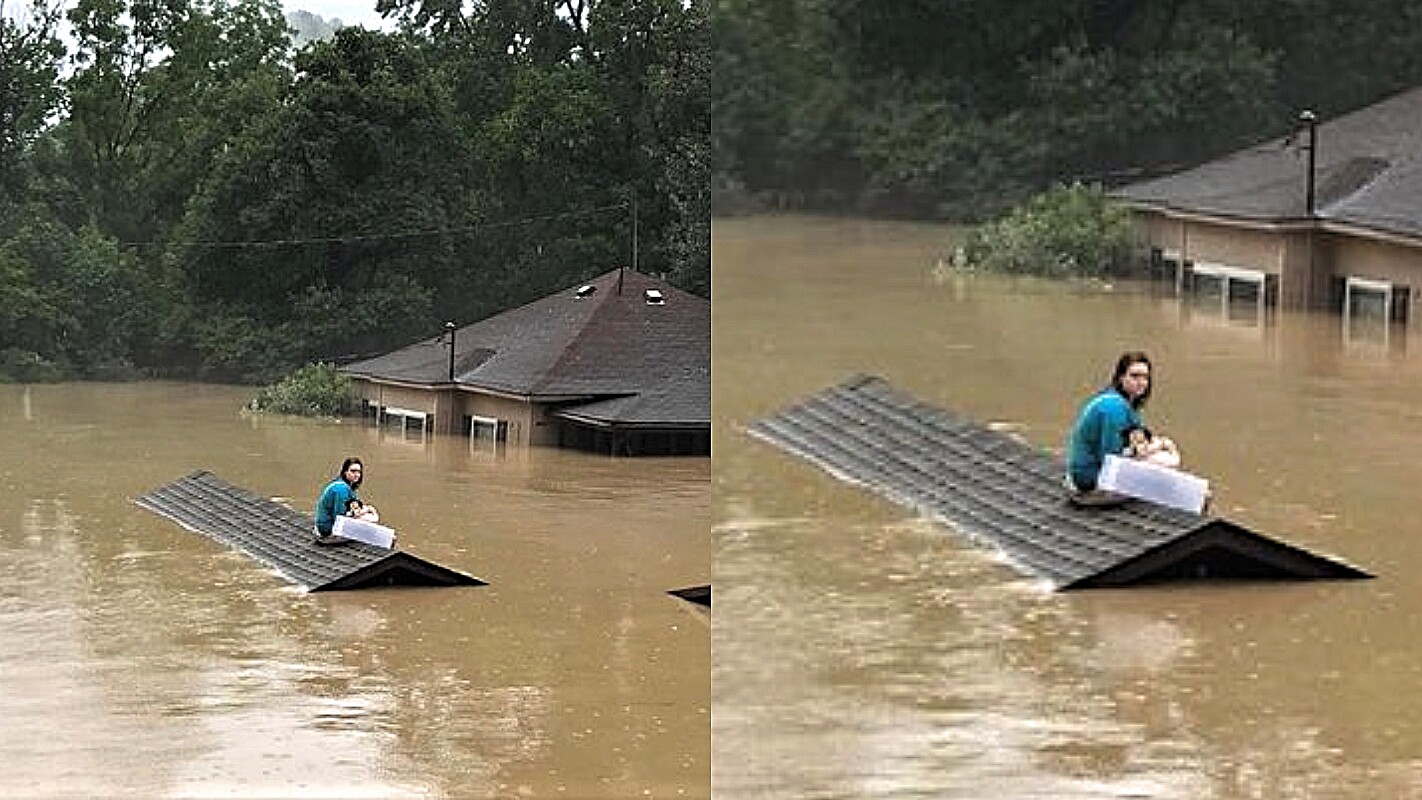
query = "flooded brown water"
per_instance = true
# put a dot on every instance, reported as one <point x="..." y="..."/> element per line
<point x="143" y="660"/>
<point x="861" y="652"/>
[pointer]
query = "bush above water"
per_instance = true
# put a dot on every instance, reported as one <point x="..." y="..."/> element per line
<point x="1068" y="231"/>
<point x="26" y="366"/>
<point x="315" y="390"/>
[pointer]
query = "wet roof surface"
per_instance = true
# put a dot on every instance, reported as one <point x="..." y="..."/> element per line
<point x="284" y="539"/>
<point x="634" y="362"/>
<point x="1368" y="173"/>
<point x="1003" y="492"/>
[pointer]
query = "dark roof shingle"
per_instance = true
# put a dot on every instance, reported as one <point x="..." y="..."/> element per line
<point x="636" y="361"/>
<point x="1006" y="493"/>
<point x="1367" y="174"/>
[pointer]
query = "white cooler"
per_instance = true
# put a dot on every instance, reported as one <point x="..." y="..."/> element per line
<point x="362" y="531"/>
<point x="1157" y="484"/>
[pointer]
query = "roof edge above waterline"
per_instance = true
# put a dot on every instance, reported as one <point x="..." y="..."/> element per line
<point x="283" y="539"/>
<point x="1003" y="492"/>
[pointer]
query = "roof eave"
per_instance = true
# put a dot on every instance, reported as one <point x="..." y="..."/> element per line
<point x="403" y="383"/>
<point x="609" y="424"/>
<point x="472" y="388"/>
<point x="1280" y="225"/>
<point x="1346" y="228"/>
<point x="1271" y="224"/>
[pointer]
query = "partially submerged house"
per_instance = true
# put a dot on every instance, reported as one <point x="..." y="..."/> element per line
<point x="619" y="364"/>
<point x="1328" y="218"/>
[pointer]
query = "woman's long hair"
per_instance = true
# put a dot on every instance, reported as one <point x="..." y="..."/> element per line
<point x="345" y="465"/>
<point x="1124" y="363"/>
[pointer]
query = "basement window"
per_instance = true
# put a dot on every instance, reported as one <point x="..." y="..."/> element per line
<point x="486" y="430"/>
<point x="1238" y="295"/>
<point x="1164" y="264"/>
<point x="1371" y="308"/>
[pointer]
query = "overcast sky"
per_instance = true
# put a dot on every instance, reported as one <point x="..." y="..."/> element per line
<point x="351" y="12"/>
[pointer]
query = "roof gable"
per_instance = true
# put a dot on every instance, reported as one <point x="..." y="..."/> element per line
<point x="599" y="339"/>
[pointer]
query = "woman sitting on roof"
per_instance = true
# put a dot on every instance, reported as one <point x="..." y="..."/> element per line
<point x="339" y="498"/>
<point x="1101" y="427"/>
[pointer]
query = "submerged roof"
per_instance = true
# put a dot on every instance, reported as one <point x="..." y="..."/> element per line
<point x="284" y="540"/>
<point x="1368" y="173"/>
<point x="701" y="595"/>
<point x="639" y="358"/>
<point x="1008" y="494"/>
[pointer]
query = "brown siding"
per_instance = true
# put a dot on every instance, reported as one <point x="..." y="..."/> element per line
<point x="526" y="423"/>
<point x="1362" y="258"/>
<point x="1381" y="261"/>
<point x="385" y="396"/>
<point x="1304" y="280"/>
<point x="1234" y="247"/>
<point x="1216" y="244"/>
<point x="1163" y="232"/>
<point x="520" y="416"/>
<point x="1308" y="263"/>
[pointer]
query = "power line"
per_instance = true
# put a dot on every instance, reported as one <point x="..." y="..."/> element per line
<point x="257" y="243"/>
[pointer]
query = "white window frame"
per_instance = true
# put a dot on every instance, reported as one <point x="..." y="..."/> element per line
<point x="500" y="429"/>
<point x="1352" y="283"/>
<point x="1227" y="274"/>
<point x="405" y="415"/>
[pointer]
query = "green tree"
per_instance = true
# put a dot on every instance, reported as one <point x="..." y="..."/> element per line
<point x="678" y="101"/>
<point x="960" y="107"/>
<point x="190" y="199"/>
<point x="31" y="313"/>
<point x="30" y="57"/>
<point x="328" y="207"/>
<point x="783" y="102"/>
<point x="159" y="89"/>
<point x="585" y="102"/>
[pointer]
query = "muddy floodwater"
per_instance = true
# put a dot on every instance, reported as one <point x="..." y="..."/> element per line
<point x="863" y="652"/>
<point x="142" y="660"/>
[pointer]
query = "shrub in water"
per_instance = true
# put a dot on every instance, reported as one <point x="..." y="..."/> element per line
<point x="1067" y="231"/>
<point x="315" y="390"/>
<point x="18" y="365"/>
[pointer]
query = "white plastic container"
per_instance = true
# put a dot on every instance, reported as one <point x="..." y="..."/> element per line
<point x="362" y="531"/>
<point x="1154" y="483"/>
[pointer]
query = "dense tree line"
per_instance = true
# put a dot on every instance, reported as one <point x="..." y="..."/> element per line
<point x="182" y="193"/>
<point x="956" y="108"/>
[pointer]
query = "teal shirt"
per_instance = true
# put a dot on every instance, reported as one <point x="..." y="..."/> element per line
<point x="335" y="499"/>
<point x="1100" y="429"/>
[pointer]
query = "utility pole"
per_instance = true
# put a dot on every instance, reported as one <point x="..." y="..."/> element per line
<point x="449" y="331"/>
<point x="634" y="230"/>
<point x="1311" y="120"/>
